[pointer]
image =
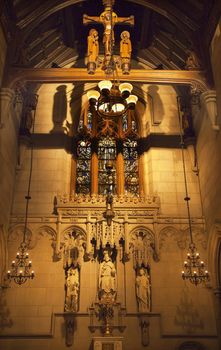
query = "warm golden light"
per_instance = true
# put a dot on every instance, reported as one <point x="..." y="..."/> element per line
<point x="105" y="85"/>
<point x="118" y="107"/>
<point x="132" y="99"/>
<point x="93" y="94"/>
<point x="125" y="89"/>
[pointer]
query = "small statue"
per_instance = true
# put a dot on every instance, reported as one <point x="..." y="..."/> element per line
<point x="92" y="51"/>
<point x="125" y="51"/>
<point x="72" y="290"/>
<point x="187" y="123"/>
<point x="107" y="279"/>
<point x="143" y="291"/>
<point x="192" y="61"/>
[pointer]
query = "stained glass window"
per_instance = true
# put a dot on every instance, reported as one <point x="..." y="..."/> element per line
<point x="106" y="152"/>
<point x="109" y="140"/>
<point x="131" y="166"/>
<point x="83" y="173"/>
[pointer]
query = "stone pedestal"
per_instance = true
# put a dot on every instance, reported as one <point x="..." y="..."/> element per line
<point x="107" y="343"/>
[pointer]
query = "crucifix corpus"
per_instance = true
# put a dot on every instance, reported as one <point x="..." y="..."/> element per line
<point x="108" y="18"/>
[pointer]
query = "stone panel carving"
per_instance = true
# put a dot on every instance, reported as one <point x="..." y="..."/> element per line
<point x="142" y="244"/>
<point x="144" y="325"/>
<point x="73" y="248"/>
<point x="16" y="232"/>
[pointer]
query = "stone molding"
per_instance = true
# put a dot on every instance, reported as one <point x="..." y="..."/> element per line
<point x="196" y="79"/>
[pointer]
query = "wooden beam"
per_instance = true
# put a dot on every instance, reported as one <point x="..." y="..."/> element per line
<point x="60" y="75"/>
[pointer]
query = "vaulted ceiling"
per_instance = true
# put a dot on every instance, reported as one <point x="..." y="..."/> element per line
<point x="43" y="32"/>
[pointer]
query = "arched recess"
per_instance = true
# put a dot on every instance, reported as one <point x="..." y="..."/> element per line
<point x="168" y="232"/>
<point x="73" y="246"/>
<point x="69" y="229"/>
<point x="16" y="234"/>
<point x="214" y="256"/>
<point x="142" y="246"/>
<point x="124" y="135"/>
<point x="45" y="230"/>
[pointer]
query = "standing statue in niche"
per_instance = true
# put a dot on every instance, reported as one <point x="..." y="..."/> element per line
<point x="143" y="291"/>
<point x="107" y="279"/>
<point x="125" y="51"/>
<point x="92" y="51"/>
<point x="72" y="290"/>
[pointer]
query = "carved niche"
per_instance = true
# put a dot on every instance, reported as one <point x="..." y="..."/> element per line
<point x="142" y="247"/>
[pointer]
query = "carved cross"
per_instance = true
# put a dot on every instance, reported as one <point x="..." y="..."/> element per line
<point x="108" y="19"/>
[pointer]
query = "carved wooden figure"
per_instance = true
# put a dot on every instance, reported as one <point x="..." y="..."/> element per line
<point x="92" y="51"/>
<point x="125" y="51"/>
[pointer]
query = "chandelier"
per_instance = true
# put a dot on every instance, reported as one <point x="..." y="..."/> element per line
<point x="21" y="267"/>
<point x="113" y="99"/>
<point x="194" y="267"/>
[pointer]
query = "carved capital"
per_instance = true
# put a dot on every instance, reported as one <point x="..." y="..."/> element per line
<point x="208" y="99"/>
<point x="6" y="100"/>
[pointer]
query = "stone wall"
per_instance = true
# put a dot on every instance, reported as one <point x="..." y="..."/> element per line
<point x="33" y="314"/>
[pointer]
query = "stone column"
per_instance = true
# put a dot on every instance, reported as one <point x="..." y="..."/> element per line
<point x="208" y="99"/>
<point x="217" y="293"/>
<point x="8" y="151"/>
<point x="9" y="125"/>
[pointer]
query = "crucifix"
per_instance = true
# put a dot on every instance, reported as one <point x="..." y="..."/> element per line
<point x="108" y="18"/>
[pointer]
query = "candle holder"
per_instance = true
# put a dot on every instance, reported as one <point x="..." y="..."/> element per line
<point x="194" y="270"/>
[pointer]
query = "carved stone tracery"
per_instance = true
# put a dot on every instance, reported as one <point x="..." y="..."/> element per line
<point x="142" y="243"/>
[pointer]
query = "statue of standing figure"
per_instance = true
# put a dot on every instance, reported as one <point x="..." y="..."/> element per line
<point x="143" y="291"/>
<point x="107" y="279"/>
<point x="125" y="51"/>
<point x="92" y="51"/>
<point x="72" y="290"/>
